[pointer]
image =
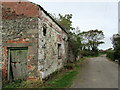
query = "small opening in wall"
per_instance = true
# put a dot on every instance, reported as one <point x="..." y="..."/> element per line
<point x="44" y="31"/>
<point x="59" y="51"/>
<point x="19" y="2"/>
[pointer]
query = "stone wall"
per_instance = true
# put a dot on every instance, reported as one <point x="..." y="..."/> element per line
<point x="21" y="8"/>
<point x="48" y="59"/>
<point x="0" y="46"/>
<point x="45" y="39"/>
<point x="71" y="56"/>
<point x="21" y="33"/>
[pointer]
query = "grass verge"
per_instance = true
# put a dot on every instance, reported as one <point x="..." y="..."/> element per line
<point x="62" y="79"/>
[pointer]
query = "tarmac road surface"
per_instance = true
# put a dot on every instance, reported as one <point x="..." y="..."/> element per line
<point x="97" y="72"/>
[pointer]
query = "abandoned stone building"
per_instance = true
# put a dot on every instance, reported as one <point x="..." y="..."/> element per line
<point x="32" y="42"/>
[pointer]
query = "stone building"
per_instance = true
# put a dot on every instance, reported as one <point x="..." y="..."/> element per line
<point x="33" y="43"/>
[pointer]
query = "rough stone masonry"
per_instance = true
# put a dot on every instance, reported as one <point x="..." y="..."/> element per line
<point x="34" y="44"/>
<point x="0" y="46"/>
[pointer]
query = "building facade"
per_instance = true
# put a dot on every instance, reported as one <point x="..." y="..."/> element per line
<point x="34" y="44"/>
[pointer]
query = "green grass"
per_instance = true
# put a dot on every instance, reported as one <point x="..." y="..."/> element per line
<point x="92" y="56"/>
<point x="23" y="84"/>
<point x="15" y="84"/>
<point x="65" y="79"/>
<point x="62" y="79"/>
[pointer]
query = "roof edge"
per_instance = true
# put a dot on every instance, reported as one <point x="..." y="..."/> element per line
<point x="49" y="16"/>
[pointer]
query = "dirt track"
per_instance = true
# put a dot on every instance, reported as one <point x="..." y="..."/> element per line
<point x="97" y="72"/>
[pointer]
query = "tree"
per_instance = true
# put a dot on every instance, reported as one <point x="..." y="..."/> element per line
<point x="64" y="21"/>
<point x="116" y="46"/>
<point x="92" y="39"/>
<point x="116" y="41"/>
<point x="75" y="42"/>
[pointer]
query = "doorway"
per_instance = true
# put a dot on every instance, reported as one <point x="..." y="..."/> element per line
<point x="17" y="63"/>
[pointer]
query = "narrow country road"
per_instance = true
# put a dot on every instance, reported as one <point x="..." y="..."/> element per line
<point x="97" y="72"/>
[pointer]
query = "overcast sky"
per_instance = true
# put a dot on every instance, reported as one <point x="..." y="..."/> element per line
<point x="88" y="16"/>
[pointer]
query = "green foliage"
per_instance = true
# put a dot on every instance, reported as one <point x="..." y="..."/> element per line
<point x="116" y="45"/>
<point x="15" y="84"/>
<point x="88" y="53"/>
<point x="116" y="41"/>
<point x="85" y="42"/>
<point x="63" y="81"/>
<point x="102" y="52"/>
<point x="75" y="43"/>
<point x="111" y="54"/>
<point x="73" y="39"/>
<point x="64" y="21"/>
<point x="91" y="40"/>
<point x="60" y="79"/>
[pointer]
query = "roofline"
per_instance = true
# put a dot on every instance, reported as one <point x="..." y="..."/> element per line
<point x="50" y="16"/>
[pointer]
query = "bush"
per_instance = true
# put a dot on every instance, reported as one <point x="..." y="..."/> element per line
<point x="88" y="53"/>
<point x="111" y="54"/>
<point x="69" y="66"/>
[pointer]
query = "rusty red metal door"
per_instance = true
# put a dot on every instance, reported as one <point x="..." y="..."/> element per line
<point x="18" y="63"/>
